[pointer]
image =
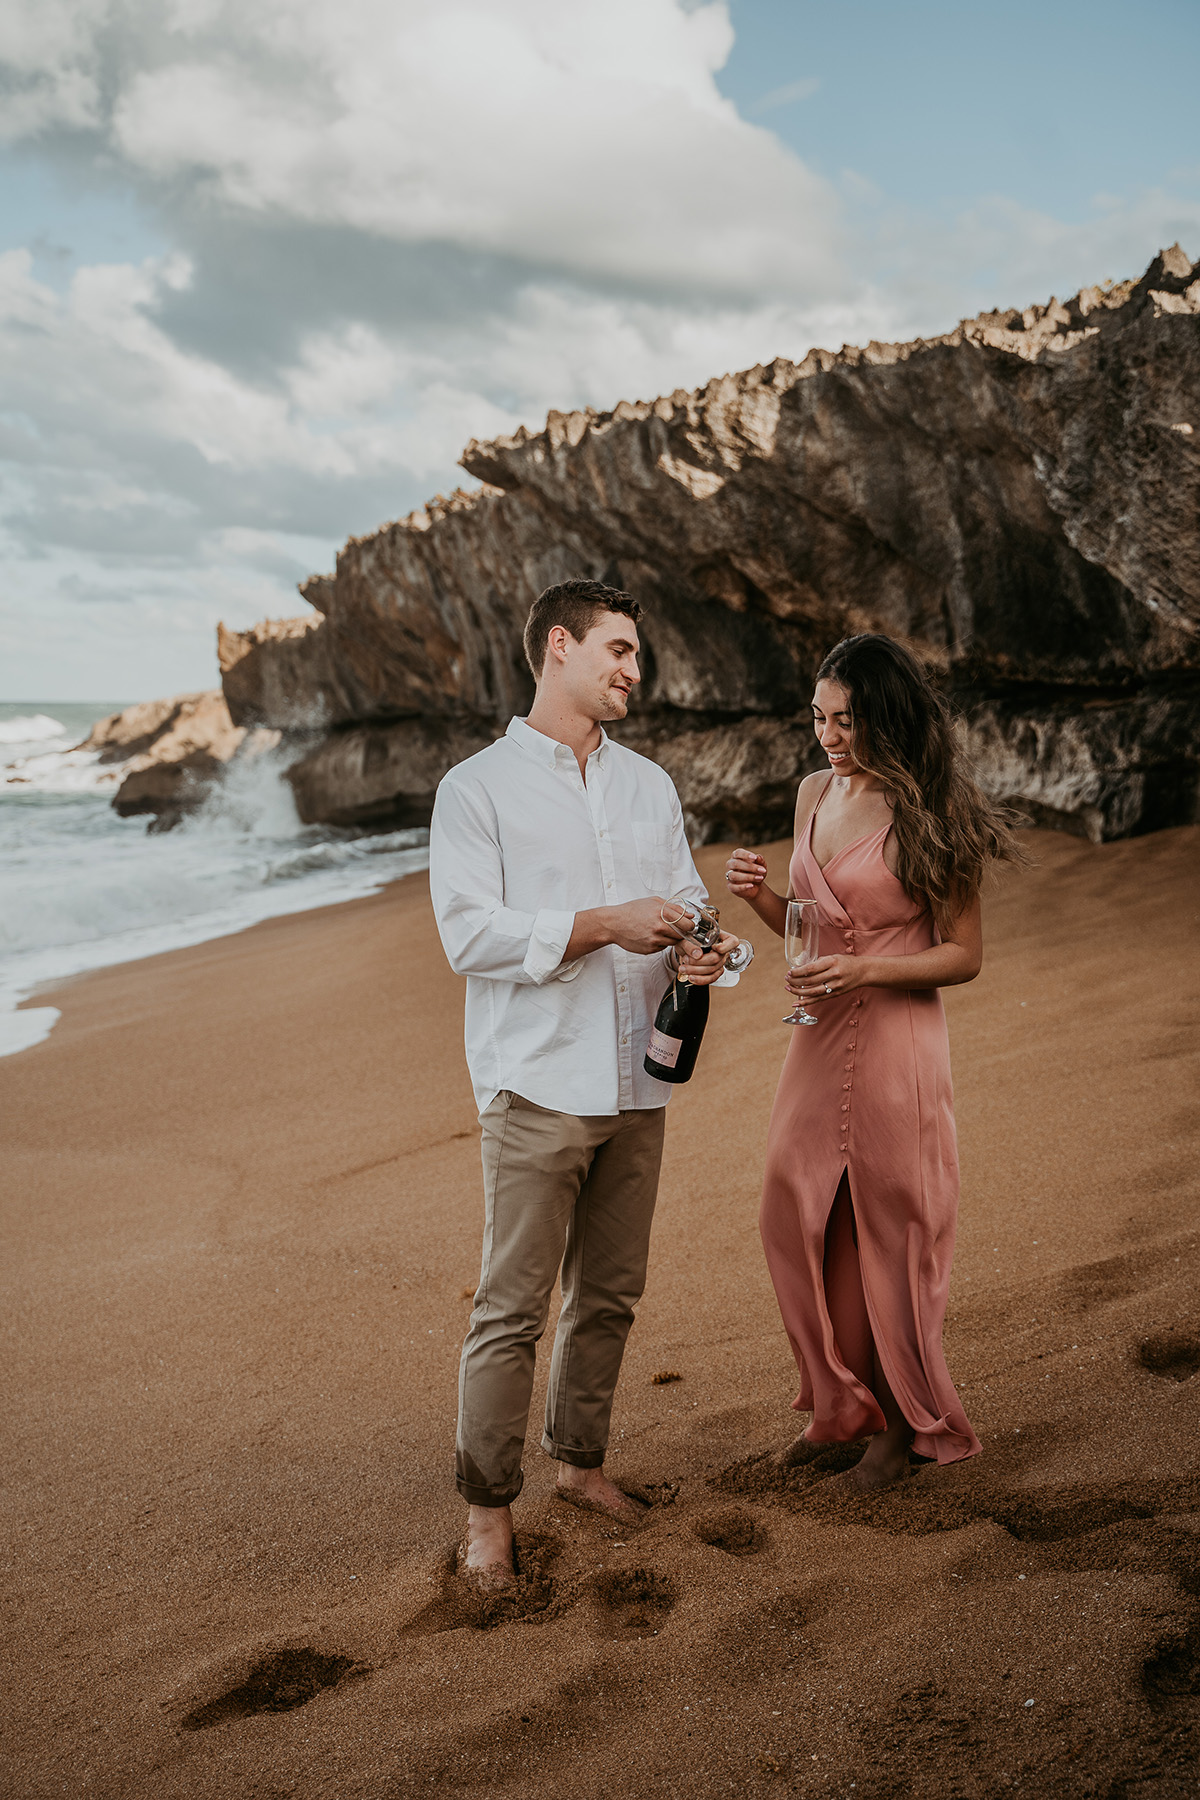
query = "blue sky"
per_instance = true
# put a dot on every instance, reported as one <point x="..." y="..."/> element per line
<point x="256" y="292"/>
<point x="938" y="104"/>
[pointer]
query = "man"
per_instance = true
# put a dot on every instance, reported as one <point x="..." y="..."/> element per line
<point x="551" y="854"/>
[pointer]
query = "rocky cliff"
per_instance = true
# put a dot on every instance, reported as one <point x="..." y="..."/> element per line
<point x="1017" y="500"/>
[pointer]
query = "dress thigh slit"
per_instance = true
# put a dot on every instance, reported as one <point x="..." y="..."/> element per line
<point x="845" y="1298"/>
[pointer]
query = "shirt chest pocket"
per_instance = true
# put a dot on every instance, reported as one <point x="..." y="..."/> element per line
<point x="652" y="847"/>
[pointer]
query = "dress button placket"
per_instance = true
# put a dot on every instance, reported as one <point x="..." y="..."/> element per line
<point x="847" y="1086"/>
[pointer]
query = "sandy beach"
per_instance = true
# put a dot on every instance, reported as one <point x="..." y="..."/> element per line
<point x="242" y="1215"/>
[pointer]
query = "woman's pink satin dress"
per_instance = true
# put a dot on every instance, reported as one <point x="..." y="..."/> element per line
<point x="866" y="1092"/>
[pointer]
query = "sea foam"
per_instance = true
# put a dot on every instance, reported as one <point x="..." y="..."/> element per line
<point x="33" y="728"/>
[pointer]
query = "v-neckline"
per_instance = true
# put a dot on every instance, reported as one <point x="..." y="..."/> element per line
<point x="865" y="838"/>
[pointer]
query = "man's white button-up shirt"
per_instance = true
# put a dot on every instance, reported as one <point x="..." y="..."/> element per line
<point x="520" y="843"/>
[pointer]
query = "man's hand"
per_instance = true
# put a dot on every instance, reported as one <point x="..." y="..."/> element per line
<point x="637" y="926"/>
<point x="703" y="967"/>
<point x="640" y="927"/>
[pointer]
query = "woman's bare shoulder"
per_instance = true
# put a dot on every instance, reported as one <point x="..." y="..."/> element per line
<point x="807" y="795"/>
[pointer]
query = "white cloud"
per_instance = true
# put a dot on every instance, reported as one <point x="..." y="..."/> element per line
<point x="46" y="48"/>
<point x="591" y="137"/>
<point x="98" y="356"/>
<point x="787" y="95"/>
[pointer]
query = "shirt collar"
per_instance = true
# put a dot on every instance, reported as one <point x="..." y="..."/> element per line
<point x="545" y="749"/>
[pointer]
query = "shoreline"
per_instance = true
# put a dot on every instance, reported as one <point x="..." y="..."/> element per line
<point x="242" y="1205"/>
<point x="19" y="992"/>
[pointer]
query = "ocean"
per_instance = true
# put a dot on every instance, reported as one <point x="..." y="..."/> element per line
<point x="81" y="889"/>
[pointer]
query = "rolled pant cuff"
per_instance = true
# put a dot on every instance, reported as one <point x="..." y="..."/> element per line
<point x="580" y="1459"/>
<point x="486" y="1496"/>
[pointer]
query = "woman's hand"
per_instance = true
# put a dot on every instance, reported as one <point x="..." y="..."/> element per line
<point x="828" y="977"/>
<point x="744" y="875"/>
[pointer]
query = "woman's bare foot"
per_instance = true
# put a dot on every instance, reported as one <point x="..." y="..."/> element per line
<point x="799" y="1452"/>
<point x="594" y="1492"/>
<point x="485" y="1556"/>
<point x="885" y="1459"/>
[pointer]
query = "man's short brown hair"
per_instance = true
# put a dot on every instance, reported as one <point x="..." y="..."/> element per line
<point x="575" y="605"/>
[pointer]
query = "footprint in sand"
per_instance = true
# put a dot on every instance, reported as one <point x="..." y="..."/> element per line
<point x="1171" y="1673"/>
<point x="277" y="1683"/>
<point x="1171" y="1354"/>
<point x="1116" y="1277"/>
<point x="731" y="1529"/>
<point x="632" y="1603"/>
<point x="1071" y="1511"/>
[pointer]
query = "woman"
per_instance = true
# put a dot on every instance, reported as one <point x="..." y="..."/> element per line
<point x="860" y="1193"/>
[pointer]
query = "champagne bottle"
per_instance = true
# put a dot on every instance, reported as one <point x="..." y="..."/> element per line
<point x="676" y="1033"/>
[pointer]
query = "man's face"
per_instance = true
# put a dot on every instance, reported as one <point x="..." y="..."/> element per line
<point x="602" y="671"/>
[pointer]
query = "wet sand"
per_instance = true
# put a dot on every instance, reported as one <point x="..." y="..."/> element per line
<point x="242" y="1209"/>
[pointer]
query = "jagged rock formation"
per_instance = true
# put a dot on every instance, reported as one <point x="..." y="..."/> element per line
<point x="278" y="674"/>
<point x="1017" y="500"/>
<point x="173" y="751"/>
<point x="133" y="732"/>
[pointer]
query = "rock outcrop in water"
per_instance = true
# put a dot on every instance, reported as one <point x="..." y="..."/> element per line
<point x="135" y="731"/>
<point x="173" y="751"/>
<point x="1016" y="500"/>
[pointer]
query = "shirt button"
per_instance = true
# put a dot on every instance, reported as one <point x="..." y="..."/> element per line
<point x="845" y="1087"/>
<point x="621" y="989"/>
<point x="845" y="1108"/>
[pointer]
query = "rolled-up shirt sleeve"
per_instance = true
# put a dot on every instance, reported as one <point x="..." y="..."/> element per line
<point x="479" y="933"/>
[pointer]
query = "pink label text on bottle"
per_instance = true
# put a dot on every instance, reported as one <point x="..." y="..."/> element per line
<point x="664" y="1049"/>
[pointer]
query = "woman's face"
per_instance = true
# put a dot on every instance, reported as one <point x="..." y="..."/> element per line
<point x="833" y="723"/>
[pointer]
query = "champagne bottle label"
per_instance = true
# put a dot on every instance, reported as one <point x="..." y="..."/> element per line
<point x="664" y="1049"/>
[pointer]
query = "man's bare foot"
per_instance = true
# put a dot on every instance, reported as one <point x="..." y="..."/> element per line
<point x="594" y="1492"/>
<point x="485" y="1556"/>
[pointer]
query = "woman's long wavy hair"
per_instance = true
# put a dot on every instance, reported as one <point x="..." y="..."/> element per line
<point x="947" y="831"/>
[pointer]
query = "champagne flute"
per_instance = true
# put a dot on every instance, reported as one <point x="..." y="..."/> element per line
<point x="801" y="944"/>
<point x="704" y="922"/>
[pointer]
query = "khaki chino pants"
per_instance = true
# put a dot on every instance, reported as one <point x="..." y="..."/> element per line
<point x="568" y="1192"/>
